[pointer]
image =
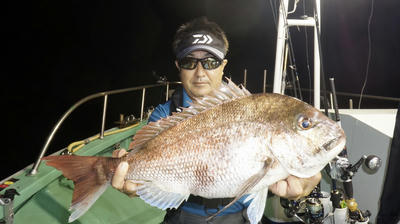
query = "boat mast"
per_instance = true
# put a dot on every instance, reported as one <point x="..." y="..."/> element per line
<point x="282" y="36"/>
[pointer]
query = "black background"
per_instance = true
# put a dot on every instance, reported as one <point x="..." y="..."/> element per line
<point x="57" y="52"/>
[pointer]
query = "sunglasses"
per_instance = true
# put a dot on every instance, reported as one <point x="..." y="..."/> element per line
<point x="209" y="63"/>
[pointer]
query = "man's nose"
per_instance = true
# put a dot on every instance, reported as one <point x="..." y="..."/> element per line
<point x="199" y="71"/>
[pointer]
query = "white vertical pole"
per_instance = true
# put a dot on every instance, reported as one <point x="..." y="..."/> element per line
<point x="317" y="61"/>
<point x="103" y="120"/>
<point x="142" y="106"/>
<point x="265" y="81"/>
<point x="167" y="92"/>
<point x="280" y="44"/>
<point x="245" y="78"/>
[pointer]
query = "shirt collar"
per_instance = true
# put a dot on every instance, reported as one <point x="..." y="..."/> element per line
<point x="186" y="99"/>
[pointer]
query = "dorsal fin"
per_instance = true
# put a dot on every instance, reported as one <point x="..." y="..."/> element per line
<point x="228" y="91"/>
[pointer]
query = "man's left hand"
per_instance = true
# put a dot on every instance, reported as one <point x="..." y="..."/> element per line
<point x="294" y="188"/>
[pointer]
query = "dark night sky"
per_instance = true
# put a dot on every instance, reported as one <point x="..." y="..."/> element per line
<point x="59" y="52"/>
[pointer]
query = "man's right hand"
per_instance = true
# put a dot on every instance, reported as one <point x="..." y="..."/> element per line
<point x="118" y="180"/>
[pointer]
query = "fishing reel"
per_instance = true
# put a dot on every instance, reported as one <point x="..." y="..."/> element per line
<point x="320" y="210"/>
<point x="337" y="206"/>
<point x="341" y="169"/>
<point x="312" y="209"/>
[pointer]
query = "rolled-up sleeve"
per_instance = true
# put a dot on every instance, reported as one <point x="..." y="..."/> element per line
<point x="160" y="111"/>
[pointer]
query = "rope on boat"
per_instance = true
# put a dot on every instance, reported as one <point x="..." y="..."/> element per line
<point x="75" y="146"/>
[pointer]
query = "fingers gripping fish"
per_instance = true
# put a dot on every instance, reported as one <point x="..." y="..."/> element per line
<point x="228" y="144"/>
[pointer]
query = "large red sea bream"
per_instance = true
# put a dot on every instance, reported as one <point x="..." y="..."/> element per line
<point x="228" y="144"/>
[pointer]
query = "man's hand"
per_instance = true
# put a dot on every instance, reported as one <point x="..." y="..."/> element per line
<point x="294" y="188"/>
<point x="118" y="180"/>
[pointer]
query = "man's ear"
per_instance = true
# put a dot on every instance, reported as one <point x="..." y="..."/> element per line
<point x="177" y="66"/>
<point x="224" y="62"/>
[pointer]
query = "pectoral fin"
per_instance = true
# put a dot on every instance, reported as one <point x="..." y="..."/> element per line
<point x="250" y="183"/>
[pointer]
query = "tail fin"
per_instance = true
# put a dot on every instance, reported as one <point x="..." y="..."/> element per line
<point x="91" y="176"/>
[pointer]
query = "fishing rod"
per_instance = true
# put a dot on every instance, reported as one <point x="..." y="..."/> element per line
<point x="343" y="171"/>
<point x="293" y="69"/>
<point x="336" y="195"/>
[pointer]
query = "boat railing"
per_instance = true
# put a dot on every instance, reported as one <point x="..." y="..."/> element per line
<point x="105" y="95"/>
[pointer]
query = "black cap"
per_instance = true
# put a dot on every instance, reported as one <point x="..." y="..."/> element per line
<point x="201" y="40"/>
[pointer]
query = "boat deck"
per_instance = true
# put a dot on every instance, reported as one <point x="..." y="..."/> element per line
<point x="46" y="196"/>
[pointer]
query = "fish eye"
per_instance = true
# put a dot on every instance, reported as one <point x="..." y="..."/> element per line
<point x="304" y="123"/>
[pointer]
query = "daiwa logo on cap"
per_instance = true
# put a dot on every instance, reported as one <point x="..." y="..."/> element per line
<point x="202" y="39"/>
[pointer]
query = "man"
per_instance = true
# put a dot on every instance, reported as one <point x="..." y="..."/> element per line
<point x="200" y="47"/>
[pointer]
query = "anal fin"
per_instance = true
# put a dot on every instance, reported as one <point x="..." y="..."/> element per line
<point x="256" y="208"/>
<point x="153" y="195"/>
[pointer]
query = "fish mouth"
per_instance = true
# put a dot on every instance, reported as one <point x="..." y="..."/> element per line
<point x="333" y="144"/>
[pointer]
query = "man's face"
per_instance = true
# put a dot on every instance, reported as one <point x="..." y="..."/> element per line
<point x="199" y="81"/>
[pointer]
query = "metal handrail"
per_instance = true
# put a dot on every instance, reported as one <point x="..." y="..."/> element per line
<point x="88" y="98"/>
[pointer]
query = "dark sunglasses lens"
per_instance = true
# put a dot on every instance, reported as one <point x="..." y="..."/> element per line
<point x="187" y="63"/>
<point x="210" y="63"/>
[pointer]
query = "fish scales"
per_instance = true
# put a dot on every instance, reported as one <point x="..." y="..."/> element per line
<point x="228" y="144"/>
<point x="216" y="141"/>
<point x="198" y="161"/>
